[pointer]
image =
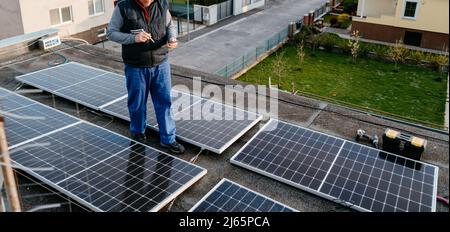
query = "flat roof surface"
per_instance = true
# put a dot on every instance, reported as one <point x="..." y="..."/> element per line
<point x="333" y="120"/>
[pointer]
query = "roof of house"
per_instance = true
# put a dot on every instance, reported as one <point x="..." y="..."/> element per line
<point x="328" y="118"/>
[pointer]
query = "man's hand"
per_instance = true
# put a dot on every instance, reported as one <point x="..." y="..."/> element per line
<point x="172" y="44"/>
<point x="142" y="37"/>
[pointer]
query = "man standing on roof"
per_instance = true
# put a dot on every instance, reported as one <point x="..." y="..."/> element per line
<point x="146" y="32"/>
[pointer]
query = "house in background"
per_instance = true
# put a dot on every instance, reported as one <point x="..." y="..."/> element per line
<point x="421" y="23"/>
<point x="84" y="19"/>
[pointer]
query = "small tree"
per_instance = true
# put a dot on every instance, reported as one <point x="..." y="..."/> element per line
<point x="354" y="45"/>
<point x="301" y="52"/>
<point x="279" y="66"/>
<point x="398" y="52"/>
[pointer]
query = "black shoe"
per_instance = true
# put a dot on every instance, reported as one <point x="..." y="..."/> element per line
<point x="175" y="147"/>
<point x="139" y="137"/>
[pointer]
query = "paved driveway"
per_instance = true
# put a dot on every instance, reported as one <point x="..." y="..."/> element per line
<point x="215" y="49"/>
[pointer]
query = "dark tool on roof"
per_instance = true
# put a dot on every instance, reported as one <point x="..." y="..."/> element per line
<point x="362" y="136"/>
<point x="403" y="144"/>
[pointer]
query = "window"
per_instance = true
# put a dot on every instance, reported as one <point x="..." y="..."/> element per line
<point x="413" y="38"/>
<point x="54" y="17"/>
<point x="96" y="7"/>
<point x="66" y="14"/>
<point x="101" y="33"/>
<point x="410" y="9"/>
<point x="60" y="15"/>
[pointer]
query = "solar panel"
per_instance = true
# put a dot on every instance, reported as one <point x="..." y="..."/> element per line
<point x="29" y="122"/>
<point x="101" y="169"/>
<point x="136" y="179"/>
<point x="228" y="196"/>
<point x="377" y="181"/>
<point x="296" y="155"/>
<point x="58" y="77"/>
<point x="4" y="92"/>
<point x="354" y="175"/>
<point x="106" y="92"/>
<point x="70" y="151"/>
<point x="10" y="101"/>
<point x="97" y="91"/>
<point x="180" y="102"/>
<point x="106" y="171"/>
<point x="214" y="126"/>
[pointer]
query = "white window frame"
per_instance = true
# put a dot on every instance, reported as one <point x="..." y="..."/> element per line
<point x="61" y="18"/>
<point x="96" y="13"/>
<point x="404" y="8"/>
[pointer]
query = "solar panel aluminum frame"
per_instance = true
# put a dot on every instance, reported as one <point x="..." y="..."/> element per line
<point x="317" y="192"/>
<point x="80" y="121"/>
<point x="248" y="189"/>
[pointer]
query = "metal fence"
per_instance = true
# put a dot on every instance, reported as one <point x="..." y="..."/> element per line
<point x="244" y="61"/>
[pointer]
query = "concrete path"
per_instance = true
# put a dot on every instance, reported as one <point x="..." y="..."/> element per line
<point x="215" y="49"/>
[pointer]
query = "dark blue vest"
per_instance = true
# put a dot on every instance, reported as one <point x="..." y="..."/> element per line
<point x="147" y="54"/>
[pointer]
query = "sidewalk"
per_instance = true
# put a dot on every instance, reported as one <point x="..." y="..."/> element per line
<point x="213" y="50"/>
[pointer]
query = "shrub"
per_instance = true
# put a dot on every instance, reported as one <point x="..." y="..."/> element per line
<point x="343" y="18"/>
<point x="328" y="40"/>
<point x="440" y="61"/>
<point x="333" y="20"/>
<point x="365" y="48"/>
<point x="428" y="57"/>
<point x="380" y="50"/>
<point x="417" y="56"/>
<point x="304" y="34"/>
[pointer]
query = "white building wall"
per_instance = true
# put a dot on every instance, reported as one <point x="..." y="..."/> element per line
<point x="254" y="4"/>
<point x="10" y="18"/>
<point x="377" y="8"/>
<point x="237" y="5"/>
<point x="36" y="16"/>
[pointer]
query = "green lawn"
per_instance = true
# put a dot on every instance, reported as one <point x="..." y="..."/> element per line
<point x="412" y="92"/>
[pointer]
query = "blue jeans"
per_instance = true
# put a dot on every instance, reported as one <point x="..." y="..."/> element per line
<point x="156" y="81"/>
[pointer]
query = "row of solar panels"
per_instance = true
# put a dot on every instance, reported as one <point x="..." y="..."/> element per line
<point x="101" y="169"/>
<point x="106" y="92"/>
<point x="106" y="171"/>
<point x="354" y="175"/>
